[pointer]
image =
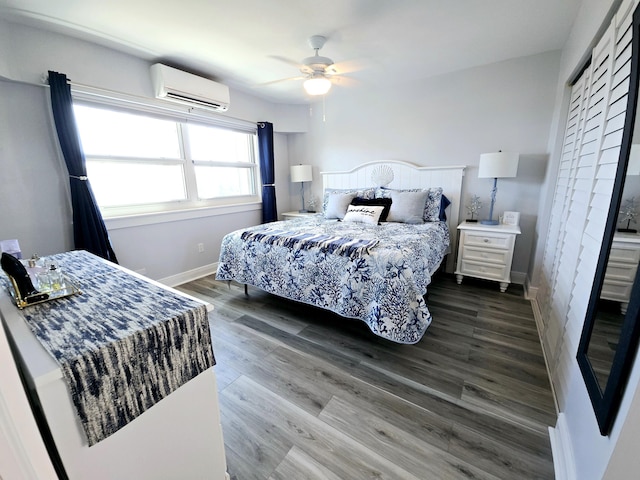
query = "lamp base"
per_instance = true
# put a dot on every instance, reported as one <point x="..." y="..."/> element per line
<point x="489" y="222"/>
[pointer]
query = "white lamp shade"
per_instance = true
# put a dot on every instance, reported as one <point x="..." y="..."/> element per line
<point x="317" y="85"/>
<point x="498" y="165"/>
<point x="301" y="173"/>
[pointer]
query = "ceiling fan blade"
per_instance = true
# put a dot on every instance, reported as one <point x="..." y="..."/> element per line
<point x="279" y="81"/>
<point x="349" y="66"/>
<point x="306" y="69"/>
<point x="344" y="81"/>
<point x="288" y="61"/>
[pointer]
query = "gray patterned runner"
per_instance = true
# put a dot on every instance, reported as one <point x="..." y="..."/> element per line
<point x="123" y="344"/>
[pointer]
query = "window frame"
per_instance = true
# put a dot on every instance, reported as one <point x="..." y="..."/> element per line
<point x="183" y="116"/>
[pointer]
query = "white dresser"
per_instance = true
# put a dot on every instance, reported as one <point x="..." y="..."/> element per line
<point x="486" y="251"/>
<point x="179" y="437"/>
<point x="621" y="269"/>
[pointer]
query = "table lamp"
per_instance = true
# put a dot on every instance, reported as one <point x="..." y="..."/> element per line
<point x="301" y="173"/>
<point x="496" y="165"/>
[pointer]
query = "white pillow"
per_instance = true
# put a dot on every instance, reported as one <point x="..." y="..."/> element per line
<point x="407" y="207"/>
<point x="337" y="204"/>
<point x="369" y="214"/>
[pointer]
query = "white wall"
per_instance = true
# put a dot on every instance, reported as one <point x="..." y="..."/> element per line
<point x="34" y="197"/>
<point x="29" y="53"/>
<point x="625" y="461"/>
<point x="446" y="120"/>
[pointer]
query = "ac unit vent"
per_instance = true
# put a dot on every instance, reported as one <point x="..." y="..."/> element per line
<point x="183" y="99"/>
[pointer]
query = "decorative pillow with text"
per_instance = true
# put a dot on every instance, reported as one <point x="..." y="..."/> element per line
<point x="369" y="214"/>
<point x="377" y="202"/>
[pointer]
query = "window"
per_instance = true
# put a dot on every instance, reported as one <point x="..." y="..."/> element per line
<point x="140" y="163"/>
<point x="222" y="160"/>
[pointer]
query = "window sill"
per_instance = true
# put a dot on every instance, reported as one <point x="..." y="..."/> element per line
<point x="116" y="223"/>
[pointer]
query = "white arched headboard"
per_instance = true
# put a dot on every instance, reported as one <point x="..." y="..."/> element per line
<point x="407" y="175"/>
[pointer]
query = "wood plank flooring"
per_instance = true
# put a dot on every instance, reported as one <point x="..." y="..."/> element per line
<point x="308" y="395"/>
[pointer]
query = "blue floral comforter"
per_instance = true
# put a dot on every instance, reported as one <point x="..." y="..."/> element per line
<point x="384" y="287"/>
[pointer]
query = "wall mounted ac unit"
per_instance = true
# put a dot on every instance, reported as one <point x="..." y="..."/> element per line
<point x="182" y="87"/>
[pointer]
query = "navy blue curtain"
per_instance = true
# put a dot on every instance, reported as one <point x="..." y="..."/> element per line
<point x="267" y="162"/>
<point x="89" y="230"/>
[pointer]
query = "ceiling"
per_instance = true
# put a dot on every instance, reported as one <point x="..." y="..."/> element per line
<point x="245" y="43"/>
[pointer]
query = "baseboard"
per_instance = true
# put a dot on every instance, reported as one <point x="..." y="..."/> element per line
<point x="518" y="277"/>
<point x="563" y="462"/>
<point x="189" y="275"/>
<point x="530" y="292"/>
<point x="537" y="315"/>
<point x="561" y="450"/>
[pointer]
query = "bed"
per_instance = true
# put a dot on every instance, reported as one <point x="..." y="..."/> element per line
<point x="344" y="259"/>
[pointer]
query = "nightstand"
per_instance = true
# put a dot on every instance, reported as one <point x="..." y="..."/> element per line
<point x="486" y="251"/>
<point x="621" y="269"/>
<point x="290" y="215"/>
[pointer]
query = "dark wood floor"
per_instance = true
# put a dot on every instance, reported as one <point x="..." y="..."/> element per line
<point x="305" y="394"/>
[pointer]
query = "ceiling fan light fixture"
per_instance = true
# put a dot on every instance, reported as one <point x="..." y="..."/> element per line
<point x="317" y="85"/>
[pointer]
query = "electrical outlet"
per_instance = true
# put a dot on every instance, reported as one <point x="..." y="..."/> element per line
<point x="200" y="247"/>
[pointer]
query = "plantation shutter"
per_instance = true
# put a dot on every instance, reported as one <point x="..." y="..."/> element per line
<point x="584" y="186"/>
<point x="554" y="290"/>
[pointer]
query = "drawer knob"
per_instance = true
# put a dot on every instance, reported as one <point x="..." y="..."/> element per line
<point x="486" y="240"/>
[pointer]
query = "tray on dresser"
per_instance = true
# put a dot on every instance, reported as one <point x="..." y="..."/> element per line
<point x="68" y="289"/>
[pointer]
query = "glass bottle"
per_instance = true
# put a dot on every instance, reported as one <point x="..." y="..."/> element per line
<point x="56" y="278"/>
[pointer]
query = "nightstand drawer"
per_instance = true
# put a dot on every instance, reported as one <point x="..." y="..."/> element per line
<point x="483" y="270"/>
<point x="485" y="255"/>
<point x="488" y="240"/>
<point x="612" y="290"/>
<point x="621" y="271"/>
<point x="624" y="255"/>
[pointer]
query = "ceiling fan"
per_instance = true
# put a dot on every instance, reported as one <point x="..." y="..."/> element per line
<point x="317" y="71"/>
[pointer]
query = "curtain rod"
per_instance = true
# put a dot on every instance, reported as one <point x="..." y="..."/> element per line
<point x="87" y="92"/>
<point x="122" y="99"/>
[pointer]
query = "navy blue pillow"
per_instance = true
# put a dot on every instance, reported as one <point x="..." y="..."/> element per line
<point x="375" y="202"/>
<point x="444" y="203"/>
